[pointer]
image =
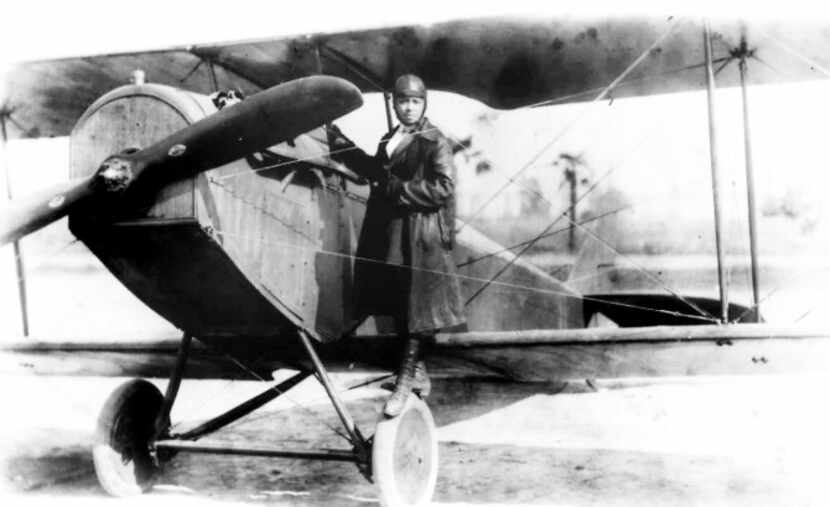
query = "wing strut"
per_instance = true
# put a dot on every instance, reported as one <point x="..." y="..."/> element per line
<point x="364" y="73"/>
<point x="743" y="53"/>
<point x="18" y="255"/>
<point x="710" y="94"/>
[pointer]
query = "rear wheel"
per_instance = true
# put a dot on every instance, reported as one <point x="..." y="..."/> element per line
<point x="405" y="456"/>
<point x="124" y="462"/>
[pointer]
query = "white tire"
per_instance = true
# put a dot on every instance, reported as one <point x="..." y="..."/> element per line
<point x="405" y="456"/>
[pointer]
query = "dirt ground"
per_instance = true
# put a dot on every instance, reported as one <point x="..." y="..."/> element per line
<point x="713" y="441"/>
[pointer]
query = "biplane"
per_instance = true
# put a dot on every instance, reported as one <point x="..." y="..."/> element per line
<point x="239" y="226"/>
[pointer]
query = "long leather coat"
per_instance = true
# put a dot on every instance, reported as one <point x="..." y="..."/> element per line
<point x="404" y="264"/>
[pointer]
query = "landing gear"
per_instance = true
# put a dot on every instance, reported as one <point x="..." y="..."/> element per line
<point x="124" y="462"/>
<point x="405" y="456"/>
<point x="134" y="435"/>
<point x="134" y="417"/>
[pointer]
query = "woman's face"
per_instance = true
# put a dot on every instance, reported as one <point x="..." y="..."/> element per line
<point x="409" y="109"/>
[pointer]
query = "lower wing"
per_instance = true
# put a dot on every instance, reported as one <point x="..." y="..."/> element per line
<point x="546" y="355"/>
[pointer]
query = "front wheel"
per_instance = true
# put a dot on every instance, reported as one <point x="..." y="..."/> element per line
<point x="405" y="456"/>
<point x="124" y="462"/>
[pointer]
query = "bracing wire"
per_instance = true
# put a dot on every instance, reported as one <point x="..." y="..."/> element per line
<point x="542" y="236"/>
<point x="259" y="377"/>
<point x="586" y="109"/>
<point x="814" y="65"/>
<point x="661" y="76"/>
<point x="42" y="259"/>
<point x="563" y="212"/>
<point x="648" y="274"/>
<point x="543" y="233"/>
<point x="772" y="292"/>
<point x="799" y="55"/>
<point x="602" y="94"/>
<point x="466" y="277"/>
<point x="353" y="66"/>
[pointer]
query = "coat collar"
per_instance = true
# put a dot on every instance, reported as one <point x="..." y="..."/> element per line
<point x="402" y="145"/>
<point x="425" y="129"/>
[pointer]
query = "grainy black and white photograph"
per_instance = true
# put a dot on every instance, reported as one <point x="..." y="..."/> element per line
<point x="414" y="253"/>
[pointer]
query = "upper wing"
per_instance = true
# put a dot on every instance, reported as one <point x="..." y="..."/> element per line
<point x="505" y="63"/>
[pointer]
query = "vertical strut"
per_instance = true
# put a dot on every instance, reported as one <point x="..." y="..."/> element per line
<point x="750" y="180"/>
<point x="348" y="423"/>
<point x="386" y="103"/>
<point x="163" y="418"/>
<point x="18" y="256"/>
<point x="214" y="83"/>
<point x="710" y="94"/>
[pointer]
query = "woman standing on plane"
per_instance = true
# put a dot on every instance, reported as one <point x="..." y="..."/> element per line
<point x="404" y="264"/>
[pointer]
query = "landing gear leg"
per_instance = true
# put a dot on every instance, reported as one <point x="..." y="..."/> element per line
<point x="404" y="451"/>
<point x="134" y="416"/>
<point x="361" y="446"/>
<point x="162" y="423"/>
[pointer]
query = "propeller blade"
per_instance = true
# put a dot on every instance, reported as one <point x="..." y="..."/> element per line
<point x="23" y="216"/>
<point x="267" y="118"/>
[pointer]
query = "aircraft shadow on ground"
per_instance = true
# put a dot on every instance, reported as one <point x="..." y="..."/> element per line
<point x="66" y="470"/>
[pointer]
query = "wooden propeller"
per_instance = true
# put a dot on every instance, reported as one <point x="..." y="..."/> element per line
<point x="264" y="119"/>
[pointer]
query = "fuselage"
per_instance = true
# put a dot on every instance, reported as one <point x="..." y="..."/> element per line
<point x="266" y="243"/>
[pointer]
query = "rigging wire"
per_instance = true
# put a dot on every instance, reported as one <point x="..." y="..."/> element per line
<point x="803" y="315"/>
<point x="793" y="52"/>
<point x="586" y="109"/>
<point x="311" y="159"/>
<point x="625" y="258"/>
<point x="771" y="67"/>
<point x="357" y="69"/>
<point x="259" y="377"/>
<point x="617" y="81"/>
<point x="659" y="77"/>
<point x="643" y="270"/>
<point x="617" y="166"/>
<point x="593" y="187"/>
<point x="512" y="179"/>
<point x="344" y="59"/>
<point x="539" y="236"/>
<point x="814" y="65"/>
<point x="467" y="277"/>
<point x="772" y="292"/>
<point x="317" y="158"/>
<point x="42" y="259"/>
<point x="548" y="235"/>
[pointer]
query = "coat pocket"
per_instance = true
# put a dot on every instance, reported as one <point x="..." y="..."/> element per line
<point x="428" y="231"/>
<point x="444" y="231"/>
